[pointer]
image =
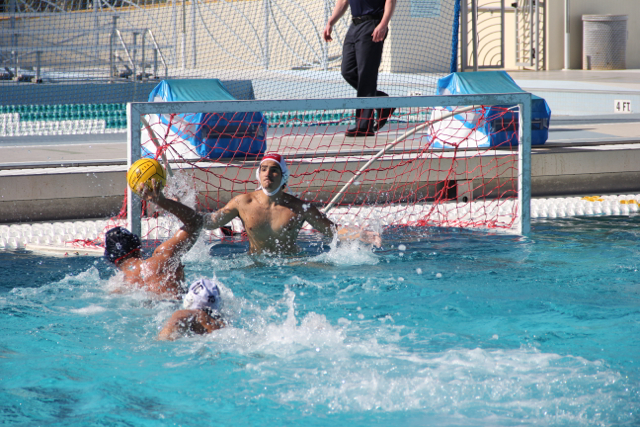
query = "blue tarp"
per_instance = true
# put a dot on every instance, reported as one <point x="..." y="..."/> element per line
<point x="214" y="135"/>
<point x="501" y="128"/>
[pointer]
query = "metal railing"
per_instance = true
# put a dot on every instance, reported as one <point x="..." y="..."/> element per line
<point x="530" y="33"/>
<point x="28" y="43"/>
<point x="483" y="33"/>
<point x="131" y="54"/>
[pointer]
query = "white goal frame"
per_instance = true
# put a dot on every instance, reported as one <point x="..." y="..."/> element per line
<point x="136" y="110"/>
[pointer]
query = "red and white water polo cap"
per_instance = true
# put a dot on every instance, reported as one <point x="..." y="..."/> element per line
<point x="283" y="168"/>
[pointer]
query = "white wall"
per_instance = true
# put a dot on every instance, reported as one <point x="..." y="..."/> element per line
<point x="555" y="33"/>
<point x="418" y="44"/>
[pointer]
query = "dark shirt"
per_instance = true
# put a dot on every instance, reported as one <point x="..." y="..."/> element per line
<point x="366" y="7"/>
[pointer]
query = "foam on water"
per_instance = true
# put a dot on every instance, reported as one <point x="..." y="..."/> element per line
<point x="343" y="368"/>
<point x="89" y="310"/>
<point x="514" y="384"/>
<point x="279" y="334"/>
<point x="348" y="253"/>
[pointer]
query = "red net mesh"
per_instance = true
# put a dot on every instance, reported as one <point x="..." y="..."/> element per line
<point x="452" y="167"/>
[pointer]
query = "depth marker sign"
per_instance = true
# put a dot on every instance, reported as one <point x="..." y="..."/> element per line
<point x="622" y="106"/>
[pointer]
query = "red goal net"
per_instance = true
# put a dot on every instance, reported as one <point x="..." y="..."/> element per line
<point x="426" y="166"/>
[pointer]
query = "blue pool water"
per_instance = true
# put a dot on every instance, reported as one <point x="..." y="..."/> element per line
<point x="440" y="327"/>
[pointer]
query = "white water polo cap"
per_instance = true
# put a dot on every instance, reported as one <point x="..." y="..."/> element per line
<point x="203" y="294"/>
<point x="283" y="168"/>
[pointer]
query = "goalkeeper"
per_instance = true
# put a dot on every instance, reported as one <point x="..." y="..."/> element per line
<point x="272" y="218"/>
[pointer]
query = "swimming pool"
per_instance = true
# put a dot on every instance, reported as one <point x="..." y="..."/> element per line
<point x="440" y="327"/>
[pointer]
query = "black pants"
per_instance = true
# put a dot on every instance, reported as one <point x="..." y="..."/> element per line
<point x="360" y="62"/>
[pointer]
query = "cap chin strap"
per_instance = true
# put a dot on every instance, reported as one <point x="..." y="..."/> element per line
<point x="117" y="260"/>
<point x="274" y="192"/>
<point x="264" y="190"/>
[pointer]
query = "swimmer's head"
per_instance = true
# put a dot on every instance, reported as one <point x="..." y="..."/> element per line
<point x="203" y="294"/>
<point x="277" y="158"/>
<point x="119" y="244"/>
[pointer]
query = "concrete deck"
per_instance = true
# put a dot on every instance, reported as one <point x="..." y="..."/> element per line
<point x="82" y="176"/>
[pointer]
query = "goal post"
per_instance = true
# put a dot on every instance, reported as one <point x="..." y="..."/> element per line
<point x="435" y="163"/>
<point x="524" y="167"/>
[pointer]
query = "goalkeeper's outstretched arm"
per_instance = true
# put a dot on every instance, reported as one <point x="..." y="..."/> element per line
<point x="221" y="217"/>
<point x="327" y="227"/>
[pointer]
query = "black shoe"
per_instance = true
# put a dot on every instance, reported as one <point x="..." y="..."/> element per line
<point x="356" y="132"/>
<point x="383" y="116"/>
<point x="365" y="124"/>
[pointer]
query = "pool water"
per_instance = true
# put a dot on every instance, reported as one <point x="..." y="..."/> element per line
<point x="439" y="327"/>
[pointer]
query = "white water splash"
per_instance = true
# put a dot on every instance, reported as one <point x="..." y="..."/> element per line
<point x="359" y="366"/>
<point x="183" y="187"/>
<point x="339" y="366"/>
<point x="473" y="384"/>
<point x="348" y="253"/>
<point x="89" y="310"/>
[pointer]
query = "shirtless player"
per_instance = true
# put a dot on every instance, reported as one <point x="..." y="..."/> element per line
<point x="200" y="314"/>
<point x="163" y="272"/>
<point x="273" y="218"/>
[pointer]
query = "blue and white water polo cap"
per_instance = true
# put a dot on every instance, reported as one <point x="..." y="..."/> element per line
<point x="203" y="294"/>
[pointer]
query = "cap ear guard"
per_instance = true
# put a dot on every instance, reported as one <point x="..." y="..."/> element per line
<point x="203" y="294"/>
<point x="119" y="243"/>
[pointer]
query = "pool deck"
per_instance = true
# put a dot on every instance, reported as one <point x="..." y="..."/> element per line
<point x="591" y="150"/>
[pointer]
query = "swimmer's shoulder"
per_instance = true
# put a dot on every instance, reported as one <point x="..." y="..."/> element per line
<point x="133" y="270"/>
<point x="293" y="202"/>
<point x="211" y="321"/>
<point x="242" y="200"/>
<point x="198" y="321"/>
<point x="299" y="206"/>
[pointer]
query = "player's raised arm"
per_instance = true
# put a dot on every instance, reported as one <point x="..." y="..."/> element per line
<point x="192" y="221"/>
<point x="183" y="239"/>
<point x="189" y="217"/>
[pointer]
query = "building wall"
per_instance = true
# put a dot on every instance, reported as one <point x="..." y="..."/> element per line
<point x="419" y="43"/>
<point x="227" y="36"/>
<point x="489" y="40"/>
<point x="577" y="8"/>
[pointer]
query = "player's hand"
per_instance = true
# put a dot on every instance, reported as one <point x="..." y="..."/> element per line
<point x="326" y="34"/>
<point x="151" y="193"/>
<point x="371" y="237"/>
<point x="366" y="236"/>
<point x="379" y="33"/>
